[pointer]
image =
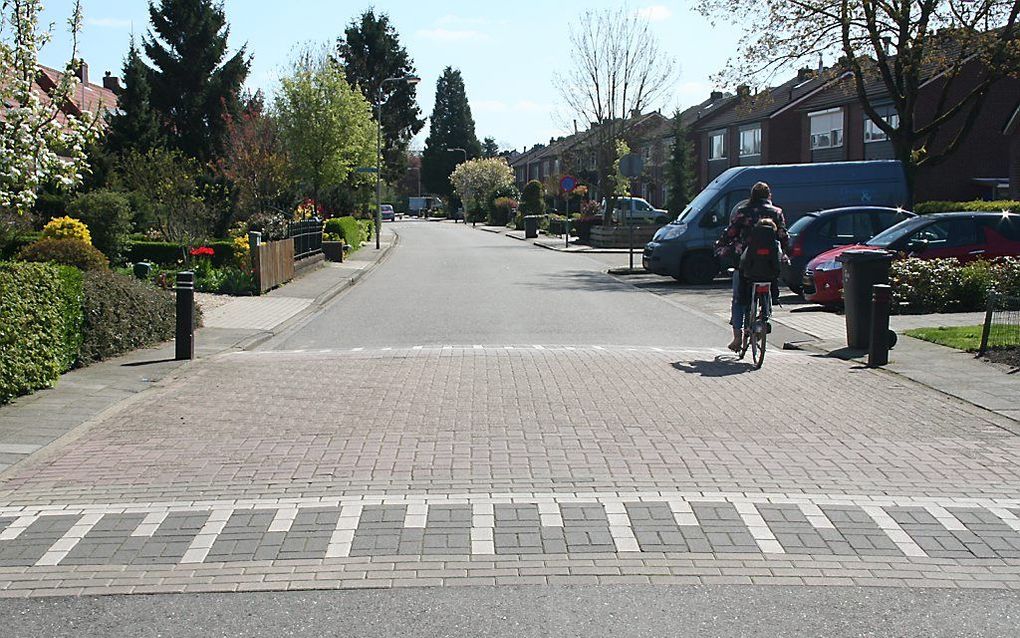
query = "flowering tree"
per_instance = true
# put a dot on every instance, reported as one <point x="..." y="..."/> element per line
<point x="478" y="181"/>
<point x="39" y="143"/>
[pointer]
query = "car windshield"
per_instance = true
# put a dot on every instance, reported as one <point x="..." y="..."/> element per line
<point x="891" y="235"/>
<point x="801" y="224"/>
<point x="703" y="199"/>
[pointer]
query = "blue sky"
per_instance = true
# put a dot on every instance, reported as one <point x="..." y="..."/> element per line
<point x="507" y="51"/>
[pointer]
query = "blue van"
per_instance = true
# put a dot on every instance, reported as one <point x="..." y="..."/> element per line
<point x="683" y="248"/>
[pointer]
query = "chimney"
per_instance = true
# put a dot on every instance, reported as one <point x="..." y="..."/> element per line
<point x="112" y="83"/>
<point x="743" y="91"/>
<point x="82" y="71"/>
<point x="821" y="64"/>
<point x="805" y="74"/>
<point x="887" y="44"/>
<point x="575" y="127"/>
<point x="716" y="95"/>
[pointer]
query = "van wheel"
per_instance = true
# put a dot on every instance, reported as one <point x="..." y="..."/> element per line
<point x="699" y="268"/>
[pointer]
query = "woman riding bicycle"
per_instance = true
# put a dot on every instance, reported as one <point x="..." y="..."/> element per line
<point x="735" y="240"/>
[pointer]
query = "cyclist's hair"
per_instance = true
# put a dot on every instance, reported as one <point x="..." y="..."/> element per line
<point x="760" y="192"/>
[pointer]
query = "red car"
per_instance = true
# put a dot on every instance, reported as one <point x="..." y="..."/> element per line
<point x="965" y="236"/>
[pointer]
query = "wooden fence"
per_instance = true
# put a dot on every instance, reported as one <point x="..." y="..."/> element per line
<point x="273" y="264"/>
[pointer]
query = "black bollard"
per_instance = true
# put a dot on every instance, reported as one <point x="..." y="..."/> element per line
<point x="185" y="338"/>
<point x="878" y="349"/>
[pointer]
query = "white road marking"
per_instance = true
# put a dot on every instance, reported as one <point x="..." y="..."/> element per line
<point x="343" y="535"/>
<point x="203" y="542"/>
<point x="283" y="520"/>
<point x="620" y="527"/>
<point x="483" y="527"/>
<point x="416" y="515"/>
<point x="59" y="550"/>
<point x="816" y="516"/>
<point x="549" y="514"/>
<point x="149" y="524"/>
<point x="946" y="518"/>
<point x="17" y="526"/>
<point x="760" y="531"/>
<point x="893" y="530"/>
<point x="682" y="513"/>
<point x="1008" y="517"/>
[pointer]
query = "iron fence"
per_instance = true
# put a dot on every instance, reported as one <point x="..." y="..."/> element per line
<point x="307" y="236"/>
<point x="1002" y="323"/>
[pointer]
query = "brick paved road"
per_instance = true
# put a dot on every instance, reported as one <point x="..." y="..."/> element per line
<point x="517" y="463"/>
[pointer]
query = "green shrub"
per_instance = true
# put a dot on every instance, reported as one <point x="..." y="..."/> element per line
<point x="108" y="217"/>
<point x="349" y="229"/>
<point x="11" y="246"/>
<point x="122" y="314"/>
<point x="925" y="208"/>
<point x="162" y="253"/>
<point x="531" y="198"/>
<point x="68" y="252"/>
<point x="367" y="228"/>
<point x="40" y="332"/>
<point x="946" y="285"/>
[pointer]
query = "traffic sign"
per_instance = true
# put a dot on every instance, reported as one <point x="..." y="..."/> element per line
<point x="568" y="183"/>
<point x="631" y="165"/>
<point x="365" y="169"/>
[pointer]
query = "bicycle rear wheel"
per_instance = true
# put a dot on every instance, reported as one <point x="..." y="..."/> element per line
<point x="759" y="331"/>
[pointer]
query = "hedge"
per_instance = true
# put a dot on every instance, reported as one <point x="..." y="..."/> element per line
<point x="980" y="206"/>
<point x="41" y="328"/>
<point x="66" y="252"/>
<point x="169" y="254"/>
<point x="946" y="285"/>
<point x="121" y="314"/>
<point x="350" y="229"/>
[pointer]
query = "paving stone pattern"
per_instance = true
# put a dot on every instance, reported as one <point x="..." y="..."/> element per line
<point x="523" y="464"/>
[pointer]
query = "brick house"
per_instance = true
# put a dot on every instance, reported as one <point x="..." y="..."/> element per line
<point x="87" y="97"/>
<point x="746" y="129"/>
<point x="1012" y="133"/>
<point x="834" y="127"/>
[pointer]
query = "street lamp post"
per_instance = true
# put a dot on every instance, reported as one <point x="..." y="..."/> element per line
<point x="464" y="151"/>
<point x="410" y="79"/>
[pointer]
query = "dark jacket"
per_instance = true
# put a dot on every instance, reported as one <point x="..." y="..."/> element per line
<point x="734" y="239"/>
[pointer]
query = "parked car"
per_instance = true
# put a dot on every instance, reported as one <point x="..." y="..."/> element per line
<point x="965" y="236"/>
<point x="683" y="249"/>
<point x="387" y="213"/>
<point x="823" y="230"/>
<point x="635" y="210"/>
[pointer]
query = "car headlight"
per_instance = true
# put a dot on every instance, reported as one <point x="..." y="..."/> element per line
<point x="669" y="232"/>
<point x="832" y="264"/>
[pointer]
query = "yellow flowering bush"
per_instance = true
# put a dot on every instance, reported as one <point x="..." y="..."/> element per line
<point x="67" y="228"/>
<point x="242" y="252"/>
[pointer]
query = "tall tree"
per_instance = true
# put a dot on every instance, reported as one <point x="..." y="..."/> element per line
<point x="370" y="52"/>
<point x="893" y="51"/>
<point x="325" y="124"/>
<point x="135" y="124"/>
<point x="451" y="126"/>
<point x="617" y="70"/>
<point x="680" y="168"/>
<point x="253" y="160"/>
<point x="194" y="84"/>
<point x="489" y="147"/>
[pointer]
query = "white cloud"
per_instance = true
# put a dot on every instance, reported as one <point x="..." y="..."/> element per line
<point x="656" y="13"/>
<point x="108" y="23"/>
<point x="461" y="21"/>
<point x="440" y="34"/>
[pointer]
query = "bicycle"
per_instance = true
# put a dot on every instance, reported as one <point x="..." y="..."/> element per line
<point x="756" y="323"/>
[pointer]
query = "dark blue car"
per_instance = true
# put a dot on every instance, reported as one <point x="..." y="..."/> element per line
<point x="814" y="233"/>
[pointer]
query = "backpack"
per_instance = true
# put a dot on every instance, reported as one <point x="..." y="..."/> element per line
<point x="760" y="259"/>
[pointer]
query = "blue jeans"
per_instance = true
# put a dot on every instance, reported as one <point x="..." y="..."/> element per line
<point x="737" y="309"/>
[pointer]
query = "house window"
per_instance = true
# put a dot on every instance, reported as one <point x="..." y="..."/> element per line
<point x="717" y="145"/>
<point x="647" y="153"/>
<point x="826" y="129"/>
<point x="750" y="141"/>
<point x="871" y="131"/>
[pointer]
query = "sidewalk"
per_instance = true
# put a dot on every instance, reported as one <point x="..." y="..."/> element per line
<point x="555" y="242"/>
<point x="32" y="422"/>
<point x="950" y="371"/>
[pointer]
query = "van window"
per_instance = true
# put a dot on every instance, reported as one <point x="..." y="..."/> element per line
<point x="718" y="215"/>
<point x="848" y="228"/>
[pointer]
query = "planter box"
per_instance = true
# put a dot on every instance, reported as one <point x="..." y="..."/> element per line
<point x="333" y="250"/>
<point x="622" y="236"/>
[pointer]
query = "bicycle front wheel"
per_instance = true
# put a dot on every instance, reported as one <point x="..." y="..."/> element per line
<point x="759" y="331"/>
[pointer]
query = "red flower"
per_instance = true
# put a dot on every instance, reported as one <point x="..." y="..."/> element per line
<point x="201" y="251"/>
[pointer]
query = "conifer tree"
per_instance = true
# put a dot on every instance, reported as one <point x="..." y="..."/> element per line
<point x="135" y="124"/>
<point x="680" y="169"/>
<point x="451" y="127"/>
<point x="194" y="84"/>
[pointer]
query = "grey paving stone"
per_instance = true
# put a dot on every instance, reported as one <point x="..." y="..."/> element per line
<point x="991" y="538"/>
<point x="655" y="528"/>
<point x="721" y="530"/>
<point x="797" y="535"/>
<point x="586" y="528"/>
<point x="104" y="540"/>
<point x="859" y="531"/>
<point x="166" y="546"/>
<point x="31" y="544"/>
<point x="242" y="536"/>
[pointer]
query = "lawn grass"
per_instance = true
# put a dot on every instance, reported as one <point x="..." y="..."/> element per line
<point x="966" y="338"/>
